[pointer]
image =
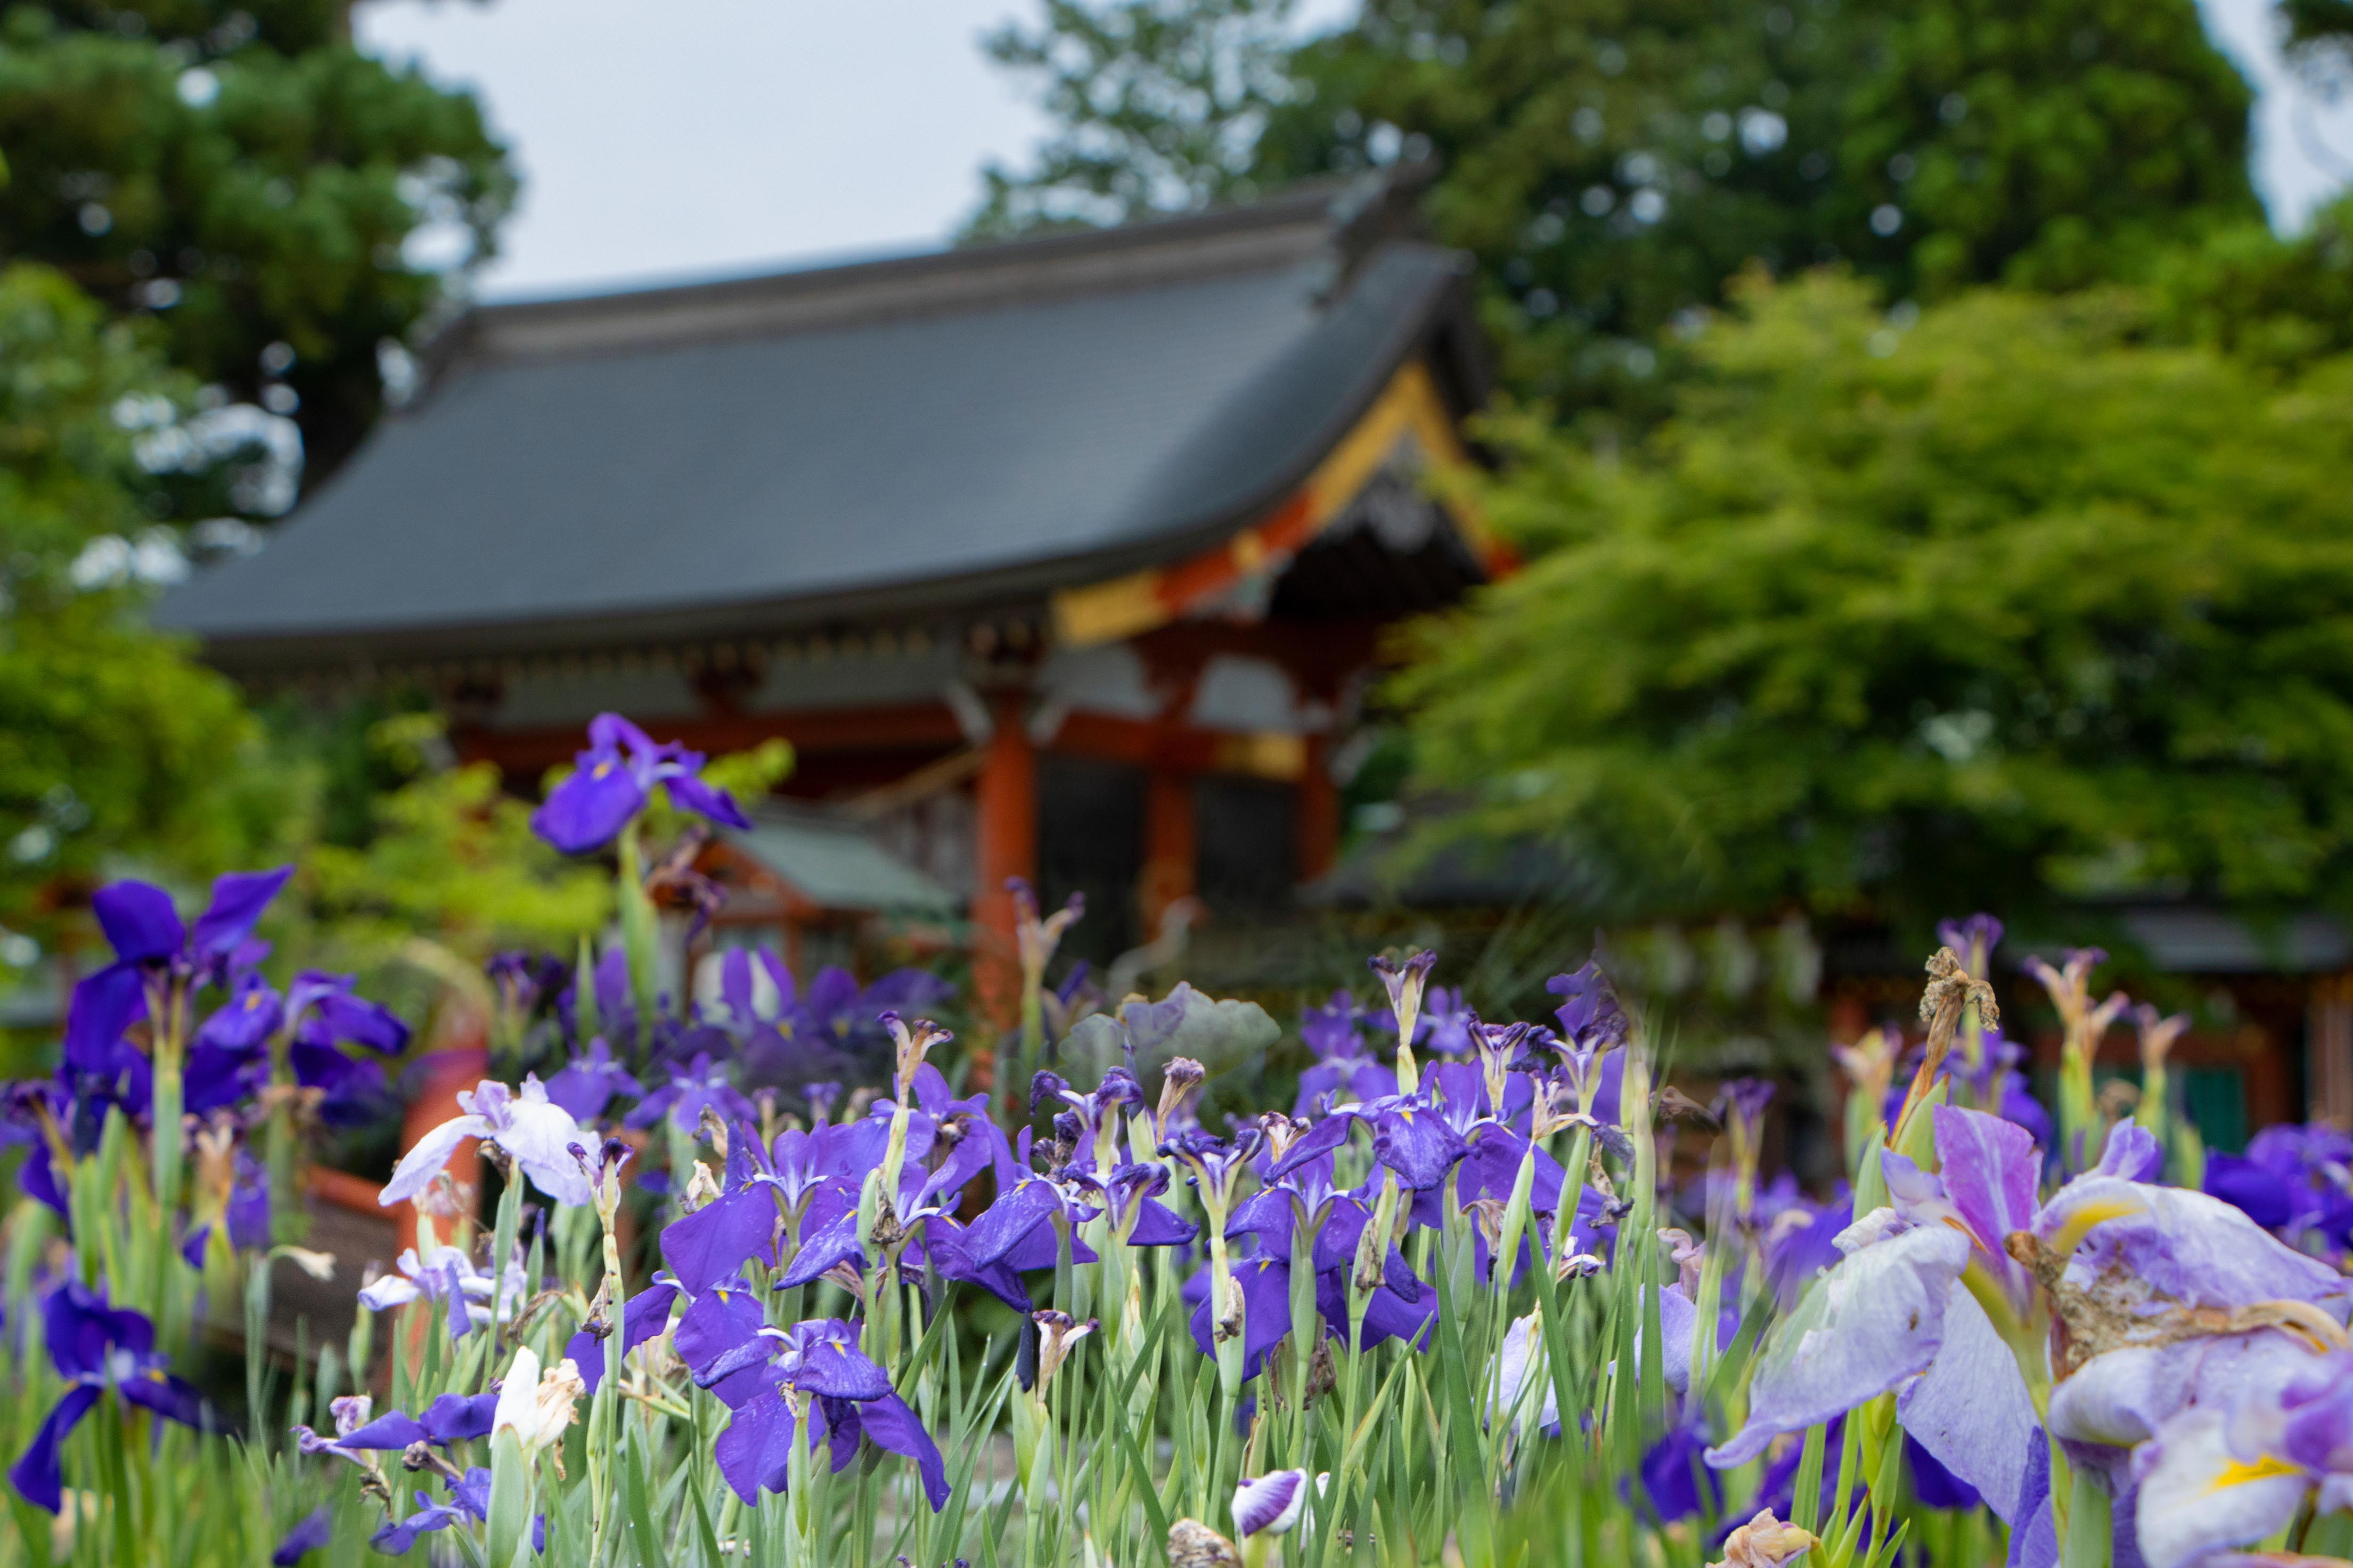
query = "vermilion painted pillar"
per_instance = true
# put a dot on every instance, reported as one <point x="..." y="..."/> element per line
<point x="1318" y="820"/>
<point x="1170" y="848"/>
<point x="1005" y="845"/>
<point x="462" y="1062"/>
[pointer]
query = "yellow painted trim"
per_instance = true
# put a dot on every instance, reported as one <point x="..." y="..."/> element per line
<point x="1408" y="406"/>
<point x="1106" y="612"/>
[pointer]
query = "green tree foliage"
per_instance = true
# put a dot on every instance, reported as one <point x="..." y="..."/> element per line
<point x="1987" y="606"/>
<point x="2318" y="30"/>
<point x="113" y="744"/>
<point x="1611" y="165"/>
<point x="243" y="174"/>
<point x="1159" y="105"/>
<point x="452" y="863"/>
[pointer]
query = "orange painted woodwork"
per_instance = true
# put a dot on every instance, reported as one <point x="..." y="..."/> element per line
<point x="1318" y="838"/>
<point x="460" y="1064"/>
<point x="1006" y="845"/>
<point x="1170" y="847"/>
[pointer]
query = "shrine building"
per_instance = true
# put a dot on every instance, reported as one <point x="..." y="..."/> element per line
<point x="1067" y="558"/>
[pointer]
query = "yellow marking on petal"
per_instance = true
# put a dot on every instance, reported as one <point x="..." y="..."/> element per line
<point x="2079" y="1223"/>
<point x="602" y="769"/>
<point x="2242" y="1472"/>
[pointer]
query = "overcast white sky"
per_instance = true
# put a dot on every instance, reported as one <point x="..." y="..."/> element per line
<point x="682" y="138"/>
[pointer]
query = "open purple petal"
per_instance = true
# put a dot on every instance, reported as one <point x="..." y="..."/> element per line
<point x="2196" y="1249"/>
<point x="717" y="1239"/>
<point x="314" y="1532"/>
<point x="459" y="1417"/>
<point x="104" y="1005"/>
<point x="2197" y="1497"/>
<point x="238" y="901"/>
<point x="38" y="1473"/>
<point x="589" y="808"/>
<point x="1971" y="1411"/>
<point x="173" y="1398"/>
<point x="390" y="1432"/>
<point x="756" y="1449"/>
<point x="139" y="922"/>
<point x="688" y="793"/>
<point x="1871" y="1324"/>
<point x="825" y="1358"/>
<point x="1990" y="1171"/>
<point x="893" y="1426"/>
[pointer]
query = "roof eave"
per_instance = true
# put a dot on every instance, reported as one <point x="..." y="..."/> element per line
<point x="1439" y="324"/>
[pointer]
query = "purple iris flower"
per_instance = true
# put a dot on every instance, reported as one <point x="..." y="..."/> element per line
<point x="451" y="1419"/>
<point x="1389" y="1313"/>
<point x="587" y="1084"/>
<point x="524" y="979"/>
<point x="814" y="1371"/>
<point x="1130" y="1195"/>
<point x="1969" y="939"/>
<point x="716" y="1240"/>
<point x="146" y="930"/>
<point x="768" y="1030"/>
<point x="1448" y="1022"/>
<point x="327" y="1014"/>
<point x="246" y="1213"/>
<point x="1410" y="1133"/>
<point x="450" y="1276"/>
<point x="693" y="1087"/>
<point x="2295" y="1180"/>
<point x="1345" y="1068"/>
<point x="1801" y="1242"/>
<point x="1099" y="1119"/>
<point x="1589" y="1013"/>
<point x="1265" y="1285"/>
<point x="469" y="1497"/>
<point x="1334" y="1217"/>
<point x="94" y="1347"/>
<point x="36" y="1112"/>
<point x="315" y="1529"/>
<point x="330" y="1011"/>
<point x="1678" y="1484"/>
<point x="244" y="1023"/>
<point x="645" y="1315"/>
<point x="1019" y="1230"/>
<point x="612" y="780"/>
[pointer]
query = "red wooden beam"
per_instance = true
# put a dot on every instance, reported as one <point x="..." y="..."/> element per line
<point x="525" y="751"/>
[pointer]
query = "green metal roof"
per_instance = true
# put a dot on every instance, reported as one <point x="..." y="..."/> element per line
<point x="833" y="863"/>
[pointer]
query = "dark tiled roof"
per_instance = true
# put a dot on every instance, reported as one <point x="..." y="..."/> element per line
<point x="903" y="436"/>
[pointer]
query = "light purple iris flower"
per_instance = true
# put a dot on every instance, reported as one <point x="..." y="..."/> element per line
<point x="2223" y="1475"/>
<point x="612" y="780"/>
<point x="450" y="1276"/>
<point x="1269" y="1505"/>
<point x="539" y="1136"/>
<point x="1890" y="1316"/>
